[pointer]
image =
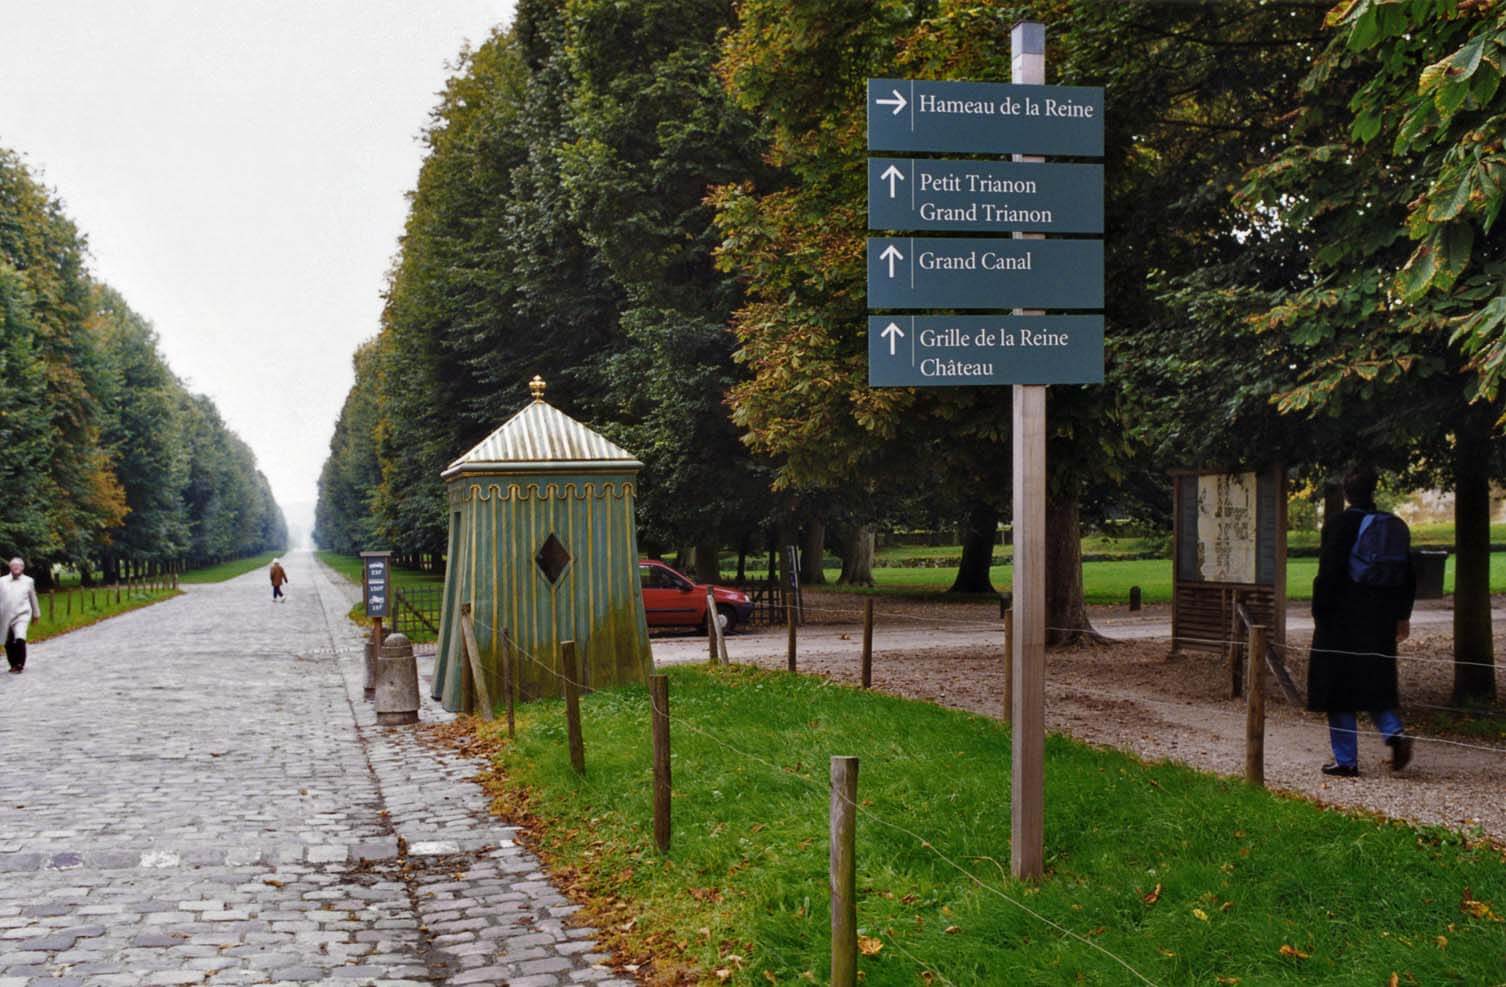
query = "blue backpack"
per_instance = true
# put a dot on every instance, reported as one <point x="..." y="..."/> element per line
<point x="1381" y="552"/>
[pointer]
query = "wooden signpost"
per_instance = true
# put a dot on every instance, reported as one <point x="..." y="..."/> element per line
<point x="1019" y="345"/>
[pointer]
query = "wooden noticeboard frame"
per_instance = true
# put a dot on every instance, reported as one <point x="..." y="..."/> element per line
<point x="1204" y="613"/>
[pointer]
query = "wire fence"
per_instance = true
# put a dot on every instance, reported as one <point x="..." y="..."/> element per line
<point x="1208" y="711"/>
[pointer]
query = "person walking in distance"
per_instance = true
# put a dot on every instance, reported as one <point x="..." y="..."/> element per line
<point x="279" y="576"/>
<point x="1362" y="608"/>
<point x="18" y="608"/>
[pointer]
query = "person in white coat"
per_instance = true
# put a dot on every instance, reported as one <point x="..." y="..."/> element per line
<point x="18" y="608"/>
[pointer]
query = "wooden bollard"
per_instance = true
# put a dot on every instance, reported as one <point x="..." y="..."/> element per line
<point x="843" y="867"/>
<point x="868" y="644"/>
<point x="1255" y="709"/>
<point x="1008" y="665"/>
<point x="789" y="619"/>
<point x="52" y="605"/>
<point x="1135" y="598"/>
<point x="572" y="706"/>
<point x="711" y="628"/>
<point x="658" y="695"/>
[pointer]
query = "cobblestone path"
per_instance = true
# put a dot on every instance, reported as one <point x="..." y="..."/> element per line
<point x="196" y="793"/>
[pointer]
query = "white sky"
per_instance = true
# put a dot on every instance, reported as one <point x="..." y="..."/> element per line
<point x="239" y="167"/>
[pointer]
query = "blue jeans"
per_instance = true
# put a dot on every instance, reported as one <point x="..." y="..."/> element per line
<point x="1343" y="735"/>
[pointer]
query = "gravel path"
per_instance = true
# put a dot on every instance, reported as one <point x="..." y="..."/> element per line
<point x="196" y="793"/>
<point x="1130" y="695"/>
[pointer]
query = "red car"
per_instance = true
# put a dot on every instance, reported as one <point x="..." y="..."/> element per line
<point x="671" y="600"/>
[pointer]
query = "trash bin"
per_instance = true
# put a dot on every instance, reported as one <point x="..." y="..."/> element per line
<point x="1429" y="564"/>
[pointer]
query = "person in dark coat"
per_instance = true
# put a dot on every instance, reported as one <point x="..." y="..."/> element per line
<point x="1352" y="667"/>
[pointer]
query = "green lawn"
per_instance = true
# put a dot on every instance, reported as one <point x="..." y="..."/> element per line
<point x="229" y="570"/>
<point x="349" y="566"/>
<point x="1110" y="582"/>
<point x="1191" y="879"/>
<point x="71" y="608"/>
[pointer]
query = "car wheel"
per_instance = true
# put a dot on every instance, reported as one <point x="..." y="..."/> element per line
<point x="726" y="617"/>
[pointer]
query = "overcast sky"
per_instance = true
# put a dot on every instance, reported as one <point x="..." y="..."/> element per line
<point x="239" y="167"/>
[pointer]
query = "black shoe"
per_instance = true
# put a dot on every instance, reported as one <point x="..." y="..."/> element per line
<point x="16" y="671"/>
<point x="1342" y="770"/>
<point x="1401" y="751"/>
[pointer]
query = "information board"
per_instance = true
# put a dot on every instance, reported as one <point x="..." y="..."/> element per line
<point x="984" y="196"/>
<point x="984" y="117"/>
<point x="375" y="576"/>
<point x="984" y="273"/>
<point x="927" y="350"/>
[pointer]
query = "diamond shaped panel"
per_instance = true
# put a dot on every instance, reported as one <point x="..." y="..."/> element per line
<point x="552" y="558"/>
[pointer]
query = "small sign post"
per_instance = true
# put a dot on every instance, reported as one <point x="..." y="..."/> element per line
<point x="375" y="590"/>
<point x="1008" y="268"/>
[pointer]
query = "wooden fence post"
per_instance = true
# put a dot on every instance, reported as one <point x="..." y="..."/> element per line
<point x="572" y="706"/>
<point x="1008" y="665"/>
<point x="1255" y="709"/>
<point x="843" y="866"/>
<point x="658" y="695"/>
<point x="482" y="692"/>
<point x="509" y="677"/>
<point x="789" y="619"/>
<point x="711" y="622"/>
<point x="467" y="676"/>
<point x="868" y="643"/>
<point x="52" y="605"/>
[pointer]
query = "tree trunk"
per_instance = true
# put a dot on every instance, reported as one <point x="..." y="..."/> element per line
<point x="1333" y="500"/>
<point x="742" y="558"/>
<point x="1066" y="611"/>
<point x="979" y="531"/>
<point x="685" y="559"/>
<point x="857" y="556"/>
<point x="1476" y="681"/>
<point x="811" y="571"/>
<point x="708" y="567"/>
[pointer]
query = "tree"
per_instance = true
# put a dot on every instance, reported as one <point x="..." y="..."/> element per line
<point x="1392" y="181"/>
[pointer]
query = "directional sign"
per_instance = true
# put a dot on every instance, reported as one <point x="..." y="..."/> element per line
<point x="375" y="572"/>
<point x="984" y="117"/>
<point x="984" y="196"/>
<point x="971" y="350"/>
<point x="978" y="273"/>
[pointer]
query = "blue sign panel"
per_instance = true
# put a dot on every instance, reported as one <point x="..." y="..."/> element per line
<point x="978" y="273"/>
<point x="982" y="350"/>
<point x="984" y="118"/>
<point x="984" y="196"/>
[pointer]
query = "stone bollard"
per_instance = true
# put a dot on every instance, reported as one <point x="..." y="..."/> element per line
<point x="397" y="683"/>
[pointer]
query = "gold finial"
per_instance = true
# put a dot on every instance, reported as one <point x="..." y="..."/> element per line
<point x="536" y="386"/>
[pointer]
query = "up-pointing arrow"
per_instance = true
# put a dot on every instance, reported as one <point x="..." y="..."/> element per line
<point x="898" y="102"/>
<point x="892" y="332"/>
<point x="891" y="254"/>
<point x="892" y="175"/>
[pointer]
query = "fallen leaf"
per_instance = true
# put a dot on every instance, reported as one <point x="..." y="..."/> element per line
<point x="1442" y="942"/>
<point x="1395" y="981"/>
<point x="952" y="930"/>
<point x="1228" y="981"/>
<point x="1154" y="895"/>
<point x="1292" y="952"/>
<point x="769" y="976"/>
<point x="1165" y="952"/>
<point x="869" y="946"/>
<point x="1479" y="909"/>
<point x="724" y="974"/>
<point x="1200" y="915"/>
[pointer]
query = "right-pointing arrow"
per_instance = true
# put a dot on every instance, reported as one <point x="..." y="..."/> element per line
<point x="898" y="102"/>
<point x="892" y="332"/>
<point x="891" y="254"/>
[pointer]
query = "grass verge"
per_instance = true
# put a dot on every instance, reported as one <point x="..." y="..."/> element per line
<point x="57" y="620"/>
<point x="228" y="570"/>
<point x="1190" y="878"/>
<point x="349" y="567"/>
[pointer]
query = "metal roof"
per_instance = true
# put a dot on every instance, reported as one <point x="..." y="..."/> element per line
<point x="542" y="435"/>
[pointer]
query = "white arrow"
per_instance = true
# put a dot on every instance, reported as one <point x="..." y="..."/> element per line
<point x="898" y="102"/>
<point x="892" y="332"/>
<point x="892" y="175"/>
<point x="891" y="254"/>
